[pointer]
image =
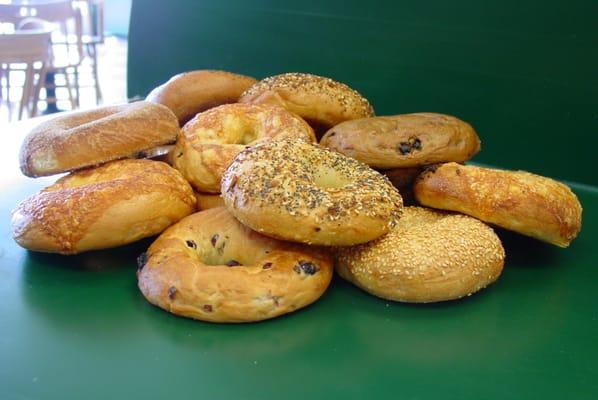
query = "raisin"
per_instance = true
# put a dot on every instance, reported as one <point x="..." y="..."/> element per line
<point x="307" y="267"/>
<point x="172" y="292"/>
<point x="208" y="308"/>
<point x="404" y="148"/>
<point x="214" y="239"/>
<point x="417" y="144"/>
<point x="267" y="265"/>
<point x="232" y="263"/>
<point x="191" y="243"/>
<point x="141" y="261"/>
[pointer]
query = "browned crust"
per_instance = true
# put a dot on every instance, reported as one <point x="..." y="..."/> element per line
<point x="86" y="138"/>
<point x="193" y="92"/>
<point x="211" y="140"/>
<point x="404" y="141"/>
<point x="321" y="101"/>
<point x="430" y="256"/>
<point x="305" y="193"/>
<point x="190" y="271"/>
<point x="111" y="205"/>
<point x="530" y="204"/>
<point x="206" y="201"/>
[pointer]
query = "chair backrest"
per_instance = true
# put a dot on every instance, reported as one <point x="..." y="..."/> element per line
<point x="25" y="47"/>
<point x="68" y="39"/>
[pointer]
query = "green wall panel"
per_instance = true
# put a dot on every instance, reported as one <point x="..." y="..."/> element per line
<point x="524" y="73"/>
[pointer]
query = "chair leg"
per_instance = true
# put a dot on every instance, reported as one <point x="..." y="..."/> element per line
<point x="38" y="88"/>
<point x="8" y="103"/>
<point x="69" y="88"/>
<point x="76" y="84"/>
<point x="96" y="80"/>
<point x="26" y="95"/>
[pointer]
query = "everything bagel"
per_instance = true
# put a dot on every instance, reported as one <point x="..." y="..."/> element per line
<point x="305" y="193"/>
<point x="212" y="268"/>
<point x="209" y="142"/>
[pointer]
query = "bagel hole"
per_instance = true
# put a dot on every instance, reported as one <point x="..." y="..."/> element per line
<point x="328" y="178"/>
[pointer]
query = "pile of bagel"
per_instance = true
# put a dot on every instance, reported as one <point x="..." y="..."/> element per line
<point x="260" y="190"/>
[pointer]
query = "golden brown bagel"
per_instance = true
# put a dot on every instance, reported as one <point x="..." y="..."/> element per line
<point x="208" y="200"/>
<point x="403" y="141"/>
<point x="86" y="138"/>
<point x="212" y="268"/>
<point x="192" y="92"/>
<point x="96" y="208"/>
<point x="209" y="142"/>
<point x="402" y="178"/>
<point x="305" y="193"/>
<point x="430" y="256"/>
<point x="321" y="101"/>
<point x="520" y="201"/>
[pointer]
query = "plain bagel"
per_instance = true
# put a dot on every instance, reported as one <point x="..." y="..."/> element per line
<point x="305" y="193"/>
<point x="87" y="138"/>
<point x="430" y="256"/>
<point x="192" y="92"/>
<point x="212" y="268"/>
<point x="108" y="206"/>
<point x="211" y="140"/>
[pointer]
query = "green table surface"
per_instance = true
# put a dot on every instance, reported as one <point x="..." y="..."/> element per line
<point x="77" y="327"/>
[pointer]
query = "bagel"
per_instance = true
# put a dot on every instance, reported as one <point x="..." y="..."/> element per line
<point x="192" y="92"/>
<point x="321" y="101"/>
<point x="96" y="208"/>
<point x="86" y="138"/>
<point x="208" y="200"/>
<point x="402" y="178"/>
<point x="404" y="141"/>
<point x="430" y="256"/>
<point x="516" y="200"/>
<point x="209" y="142"/>
<point x="305" y="193"/>
<point x="212" y="268"/>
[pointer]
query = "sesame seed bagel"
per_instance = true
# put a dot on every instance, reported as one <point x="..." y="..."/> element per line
<point x="526" y="203"/>
<point x="403" y="141"/>
<point x="212" y="268"/>
<point x="209" y="142"/>
<point x="192" y="92"/>
<point x="429" y="256"/>
<point x="321" y="101"/>
<point x="305" y="193"/>
<point x="86" y="138"/>
<point x="107" y="206"/>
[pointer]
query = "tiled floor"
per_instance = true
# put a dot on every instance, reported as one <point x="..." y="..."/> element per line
<point x="112" y="64"/>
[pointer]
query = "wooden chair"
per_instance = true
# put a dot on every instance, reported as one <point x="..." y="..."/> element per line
<point x="67" y="43"/>
<point x="27" y="48"/>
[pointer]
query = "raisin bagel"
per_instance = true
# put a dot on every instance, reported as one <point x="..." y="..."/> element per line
<point x="404" y="141"/>
<point x="212" y="268"/>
